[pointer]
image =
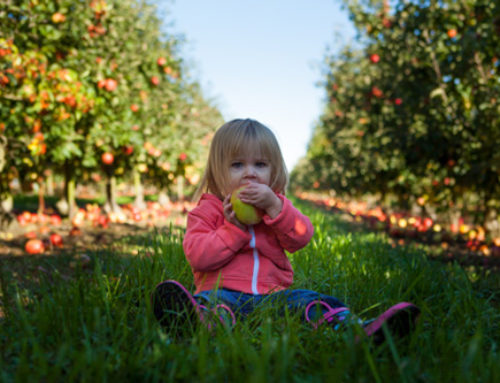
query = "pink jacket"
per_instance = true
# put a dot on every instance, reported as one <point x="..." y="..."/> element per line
<point x="253" y="261"/>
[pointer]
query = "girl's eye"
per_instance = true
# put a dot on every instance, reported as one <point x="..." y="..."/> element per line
<point x="261" y="164"/>
<point x="236" y="164"/>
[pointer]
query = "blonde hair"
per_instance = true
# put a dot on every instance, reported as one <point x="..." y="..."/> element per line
<point x="231" y="140"/>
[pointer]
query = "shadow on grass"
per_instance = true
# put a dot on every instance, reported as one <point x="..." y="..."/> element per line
<point x="29" y="203"/>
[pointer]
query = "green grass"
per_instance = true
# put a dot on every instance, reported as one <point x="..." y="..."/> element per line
<point x="95" y="323"/>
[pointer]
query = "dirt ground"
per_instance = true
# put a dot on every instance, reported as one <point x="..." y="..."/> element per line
<point x="91" y="236"/>
<point x="87" y="236"/>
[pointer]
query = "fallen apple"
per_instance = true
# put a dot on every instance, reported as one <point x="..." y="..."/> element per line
<point x="245" y="213"/>
<point x="34" y="246"/>
<point x="55" y="220"/>
<point x="56" y="240"/>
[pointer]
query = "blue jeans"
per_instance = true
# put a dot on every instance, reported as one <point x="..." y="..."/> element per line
<point x="242" y="303"/>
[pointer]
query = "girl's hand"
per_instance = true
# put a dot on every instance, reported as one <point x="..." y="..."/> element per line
<point x="229" y="213"/>
<point x="262" y="197"/>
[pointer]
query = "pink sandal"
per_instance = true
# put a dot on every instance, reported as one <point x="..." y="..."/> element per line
<point x="400" y="320"/>
<point x="173" y="304"/>
<point x="331" y="314"/>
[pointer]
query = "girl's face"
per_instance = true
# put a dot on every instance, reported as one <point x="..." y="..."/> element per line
<point x="249" y="167"/>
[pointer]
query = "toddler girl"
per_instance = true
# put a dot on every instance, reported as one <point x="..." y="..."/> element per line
<point x="237" y="267"/>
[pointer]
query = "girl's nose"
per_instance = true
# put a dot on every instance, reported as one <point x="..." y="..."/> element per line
<point x="249" y="171"/>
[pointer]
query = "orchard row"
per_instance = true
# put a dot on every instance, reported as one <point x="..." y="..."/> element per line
<point x="96" y="89"/>
<point x="452" y="240"/>
<point x="413" y="114"/>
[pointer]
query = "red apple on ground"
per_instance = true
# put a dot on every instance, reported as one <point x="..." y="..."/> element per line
<point x="79" y="218"/>
<point x="428" y="222"/>
<point x="103" y="221"/>
<point x="21" y="218"/>
<point x="75" y="231"/>
<point x="30" y="234"/>
<point x="55" y="220"/>
<point x="34" y="246"/>
<point x="28" y="216"/>
<point x="245" y="213"/>
<point x="56" y="240"/>
<point x="43" y="230"/>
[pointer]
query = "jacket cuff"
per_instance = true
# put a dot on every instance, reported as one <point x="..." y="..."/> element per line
<point x="284" y="221"/>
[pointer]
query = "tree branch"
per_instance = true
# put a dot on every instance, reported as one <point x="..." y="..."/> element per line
<point x="436" y="67"/>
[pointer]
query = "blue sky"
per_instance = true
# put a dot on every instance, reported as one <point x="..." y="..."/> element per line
<point x="262" y="59"/>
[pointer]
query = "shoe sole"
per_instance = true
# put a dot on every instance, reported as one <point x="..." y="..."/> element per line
<point x="400" y="320"/>
<point x="173" y="304"/>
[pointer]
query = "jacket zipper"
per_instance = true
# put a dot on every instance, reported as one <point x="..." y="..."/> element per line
<point x="255" y="274"/>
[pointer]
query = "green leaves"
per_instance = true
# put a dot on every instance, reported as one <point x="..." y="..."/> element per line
<point x="429" y="96"/>
<point x="92" y="69"/>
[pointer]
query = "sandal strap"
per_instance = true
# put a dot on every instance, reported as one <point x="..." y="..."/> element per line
<point x="330" y="315"/>
<point x="228" y="310"/>
<point x="207" y="316"/>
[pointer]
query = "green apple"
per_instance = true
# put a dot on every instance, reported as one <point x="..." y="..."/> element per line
<point x="245" y="213"/>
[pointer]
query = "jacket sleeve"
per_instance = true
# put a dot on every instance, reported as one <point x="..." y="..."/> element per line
<point x="293" y="229"/>
<point x="208" y="247"/>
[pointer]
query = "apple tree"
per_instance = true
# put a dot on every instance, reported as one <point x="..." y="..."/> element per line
<point x="91" y="86"/>
<point x="412" y="111"/>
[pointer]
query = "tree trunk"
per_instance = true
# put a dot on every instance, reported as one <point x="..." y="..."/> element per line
<point x="70" y="196"/>
<point x="41" y="195"/>
<point x="67" y="204"/>
<point x="180" y="188"/>
<point x="491" y="222"/>
<point x="163" y="199"/>
<point x="139" y="190"/>
<point x="6" y="205"/>
<point x="453" y="218"/>
<point x="49" y="184"/>
<point x="111" y="206"/>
